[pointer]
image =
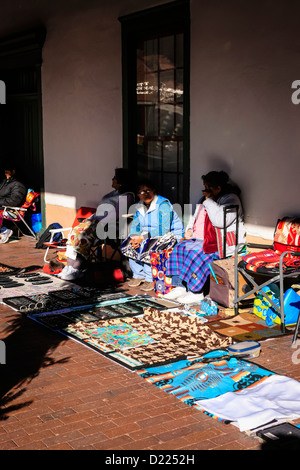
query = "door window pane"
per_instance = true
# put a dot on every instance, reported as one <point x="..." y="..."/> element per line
<point x="160" y="97"/>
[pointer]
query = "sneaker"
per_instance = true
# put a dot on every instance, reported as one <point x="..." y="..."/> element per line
<point x="135" y="282"/>
<point x="190" y="298"/>
<point x="5" y="235"/>
<point x="64" y="271"/>
<point x="175" y="293"/>
<point x="71" y="274"/>
<point x="147" y="286"/>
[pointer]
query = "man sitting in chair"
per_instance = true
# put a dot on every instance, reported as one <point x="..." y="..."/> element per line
<point x="12" y="193"/>
<point x="83" y="236"/>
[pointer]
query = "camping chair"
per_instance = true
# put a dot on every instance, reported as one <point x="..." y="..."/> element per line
<point x="82" y="213"/>
<point x="17" y="214"/>
<point x="274" y="264"/>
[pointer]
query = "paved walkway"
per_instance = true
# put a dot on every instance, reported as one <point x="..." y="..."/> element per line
<point x="57" y="394"/>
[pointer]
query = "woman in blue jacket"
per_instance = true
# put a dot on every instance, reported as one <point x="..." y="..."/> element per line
<point x="154" y="217"/>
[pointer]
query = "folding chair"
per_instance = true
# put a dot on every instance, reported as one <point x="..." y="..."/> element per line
<point x="82" y="213"/>
<point x="17" y="214"/>
<point x="274" y="264"/>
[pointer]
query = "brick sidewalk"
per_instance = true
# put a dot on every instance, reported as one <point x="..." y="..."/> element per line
<point x="58" y="394"/>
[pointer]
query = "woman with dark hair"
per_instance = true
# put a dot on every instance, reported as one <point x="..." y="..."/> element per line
<point x="154" y="217"/>
<point x="189" y="262"/>
<point x="83" y="236"/>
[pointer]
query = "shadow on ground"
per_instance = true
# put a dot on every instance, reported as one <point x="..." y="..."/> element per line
<point x="28" y="350"/>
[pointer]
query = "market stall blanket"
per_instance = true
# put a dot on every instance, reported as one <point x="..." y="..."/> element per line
<point x="65" y="299"/>
<point x="175" y="335"/>
<point x="193" y="380"/>
<point x="17" y="285"/>
<point x="109" y="305"/>
<point x="246" y="327"/>
<point x="276" y="398"/>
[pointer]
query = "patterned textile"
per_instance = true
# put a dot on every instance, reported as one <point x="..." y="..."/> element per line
<point x="287" y="234"/>
<point x="177" y="336"/>
<point x="267" y="262"/>
<point x="193" y="380"/>
<point x="118" y="337"/>
<point x="230" y="240"/>
<point x="246" y="327"/>
<point x="162" y="283"/>
<point x="82" y="237"/>
<point x="190" y="263"/>
<point x="154" y="338"/>
<point x="286" y="238"/>
<point x="151" y="245"/>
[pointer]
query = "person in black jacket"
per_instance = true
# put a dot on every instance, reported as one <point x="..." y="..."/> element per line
<point x="12" y="193"/>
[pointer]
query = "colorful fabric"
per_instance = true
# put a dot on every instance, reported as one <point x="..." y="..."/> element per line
<point x="190" y="263"/>
<point x="267" y="262"/>
<point x="287" y="234"/>
<point x="230" y="241"/>
<point x="162" y="283"/>
<point x="177" y="335"/>
<point x="83" y="236"/>
<point x="210" y="244"/>
<point x="147" y="247"/>
<point x="193" y="380"/>
<point x="247" y="327"/>
<point x="117" y="337"/>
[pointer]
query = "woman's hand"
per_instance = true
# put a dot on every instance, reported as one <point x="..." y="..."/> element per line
<point x="188" y="234"/>
<point x="136" y="241"/>
<point x="206" y="193"/>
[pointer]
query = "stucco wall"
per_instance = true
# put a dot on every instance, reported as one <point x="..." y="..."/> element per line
<point x="244" y="58"/>
<point x="82" y="102"/>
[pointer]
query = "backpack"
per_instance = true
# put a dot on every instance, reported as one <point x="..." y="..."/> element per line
<point x="46" y="235"/>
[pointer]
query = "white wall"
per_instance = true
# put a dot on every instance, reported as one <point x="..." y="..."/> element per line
<point x="82" y="101"/>
<point x="244" y="58"/>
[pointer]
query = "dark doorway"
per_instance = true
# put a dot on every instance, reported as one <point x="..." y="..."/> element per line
<point x="21" y="117"/>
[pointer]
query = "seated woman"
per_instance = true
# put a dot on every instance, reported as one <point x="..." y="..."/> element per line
<point x="154" y="217"/>
<point x="83" y="236"/>
<point x="189" y="262"/>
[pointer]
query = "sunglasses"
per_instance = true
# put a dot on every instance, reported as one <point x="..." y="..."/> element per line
<point x="146" y="191"/>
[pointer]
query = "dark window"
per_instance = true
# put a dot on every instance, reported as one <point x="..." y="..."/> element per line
<point x="156" y="97"/>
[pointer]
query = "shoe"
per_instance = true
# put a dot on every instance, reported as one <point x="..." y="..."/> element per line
<point x="135" y="282"/>
<point x="190" y="298"/>
<point x="64" y="271"/>
<point x="147" y="286"/>
<point x="71" y="274"/>
<point x="5" y="235"/>
<point x="175" y="293"/>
